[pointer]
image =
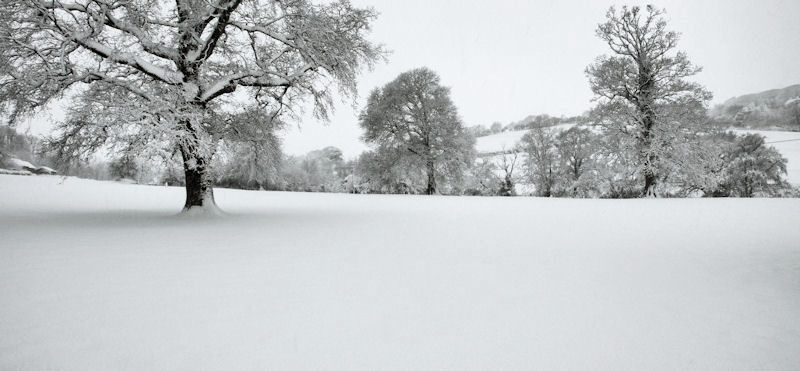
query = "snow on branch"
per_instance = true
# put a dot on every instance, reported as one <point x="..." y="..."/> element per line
<point x="132" y="60"/>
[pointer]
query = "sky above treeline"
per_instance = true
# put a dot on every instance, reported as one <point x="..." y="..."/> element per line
<point x="507" y="59"/>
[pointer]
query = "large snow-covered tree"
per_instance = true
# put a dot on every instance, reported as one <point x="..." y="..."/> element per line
<point x="165" y="75"/>
<point x="643" y="91"/>
<point x="414" y="118"/>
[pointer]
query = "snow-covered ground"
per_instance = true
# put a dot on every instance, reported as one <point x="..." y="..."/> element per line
<point x="786" y="142"/>
<point x="105" y="276"/>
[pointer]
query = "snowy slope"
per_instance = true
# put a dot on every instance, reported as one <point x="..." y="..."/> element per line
<point x="786" y="142"/>
<point x="507" y="140"/>
<point x="498" y="142"/>
<point x="104" y="276"/>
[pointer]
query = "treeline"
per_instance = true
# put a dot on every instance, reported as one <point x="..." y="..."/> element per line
<point x="586" y="162"/>
<point x="530" y="122"/>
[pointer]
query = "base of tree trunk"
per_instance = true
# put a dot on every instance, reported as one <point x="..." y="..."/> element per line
<point x="210" y="209"/>
<point x="200" y="203"/>
<point x="199" y="192"/>
<point x="649" y="190"/>
<point x="431" y="188"/>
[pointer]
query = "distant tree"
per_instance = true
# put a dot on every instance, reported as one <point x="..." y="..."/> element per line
<point x="124" y="167"/>
<point x="575" y="147"/>
<point x="542" y="160"/>
<point x="322" y="170"/>
<point x="253" y="159"/>
<point x="293" y="175"/>
<point x="482" y="178"/>
<point x="496" y="127"/>
<point x="642" y="90"/>
<point x="752" y="169"/>
<point x="389" y="171"/>
<point x="479" y="131"/>
<point x="792" y="107"/>
<point x="616" y="175"/>
<point x="15" y="144"/>
<point x="698" y="164"/>
<point x="164" y="73"/>
<point x="171" y="174"/>
<point x="325" y="169"/>
<point x="413" y="120"/>
<point x="508" y="163"/>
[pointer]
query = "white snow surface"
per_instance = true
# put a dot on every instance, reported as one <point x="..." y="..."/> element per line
<point x="106" y="276"/>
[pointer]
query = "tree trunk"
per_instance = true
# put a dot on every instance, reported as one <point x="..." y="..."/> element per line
<point x="196" y="162"/>
<point x="648" y="159"/>
<point x="650" y="182"/>
<point x="645" y="104"/>
<point x="199" y="192"/>
<point x="431" y="190"/>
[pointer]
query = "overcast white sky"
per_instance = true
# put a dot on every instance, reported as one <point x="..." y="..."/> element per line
<point x="506" y="59"/>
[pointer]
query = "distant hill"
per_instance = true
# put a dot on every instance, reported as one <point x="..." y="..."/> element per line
<point x="771" y="109"/>
<point x="530" y="122"/>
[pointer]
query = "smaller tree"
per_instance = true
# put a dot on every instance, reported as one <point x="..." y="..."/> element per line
<point x="575" y="148"/>
<point x="252" y="157"/>
<point x="698" y="164"/>
<point x="508" y="162"/>
<point x="14" y="144"/>
<point x="482" y="178"/>
<point x="384" y="171"/>
<point x="542" y="161"/>
<point x="752" y="169"/>
<point x="792" y="107"/>
<point x="615" y="173"/>
<point x="325" y="169"/>
<point x="496" y="127"/>
<point x="124" y="167"/>
<point x="413" y="120"/>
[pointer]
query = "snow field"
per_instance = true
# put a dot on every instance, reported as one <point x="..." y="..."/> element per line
<point x="99" y="275"/>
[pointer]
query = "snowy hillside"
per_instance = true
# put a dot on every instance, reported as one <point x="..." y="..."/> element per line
<point x="101" y="276"/>
<point x="786" y="142"/>
<point x="506" y="140"/>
